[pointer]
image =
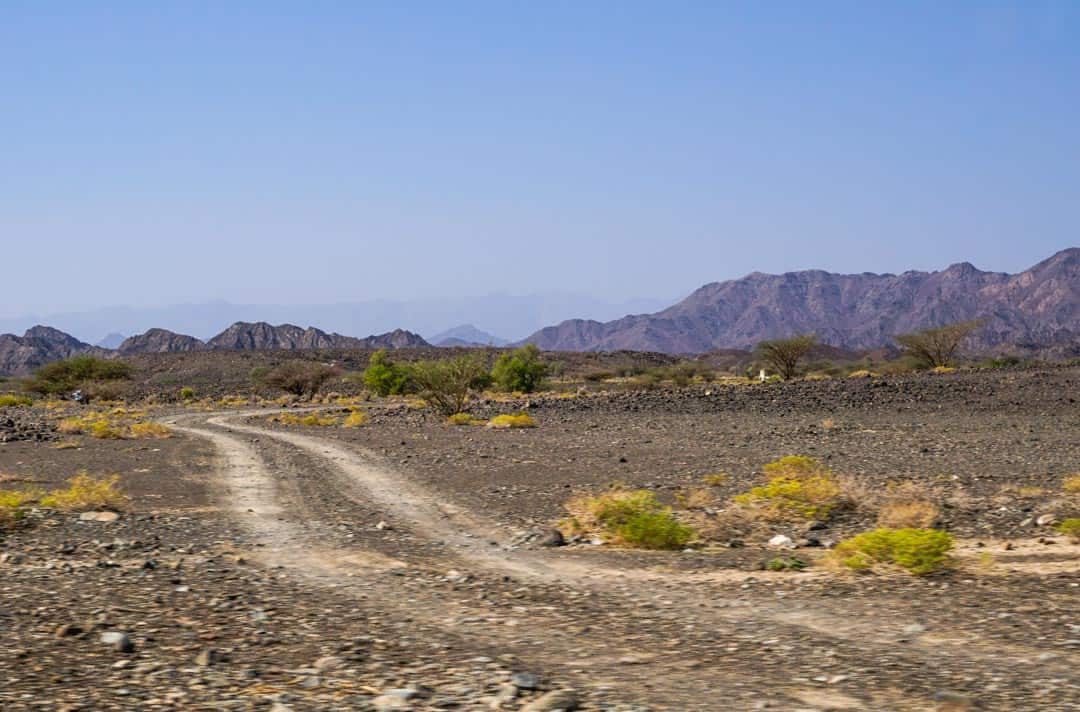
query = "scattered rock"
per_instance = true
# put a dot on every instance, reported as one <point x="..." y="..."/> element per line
<point x="98" y="517"/>
<point x="525" y="680"/>
<point x="780" y="541"/>
<point x="554" y="701"/>
<point x="119" y="640"/>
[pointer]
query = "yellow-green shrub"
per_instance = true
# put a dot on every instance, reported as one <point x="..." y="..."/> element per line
<point x="85" y="492"/>
<point x="1072" y="484"/>
<point x="920" y="551"/>
<point x="799" y="487"/>
<point x="521" y="420"/>
<point x="461" y="419"/>
<point x="11" y="505"/>
<point x="9" y="400"/>
<point x="187" y="393"/>
<point x="631" y="517"/>
<point x="1070" y="527"/>
<point x="355" y="419"/>
<point x="155" y="431"/>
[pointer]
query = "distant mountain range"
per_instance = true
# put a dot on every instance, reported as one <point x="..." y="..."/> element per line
<point x="1037" y="309"/>
<point x="21" y="355"/>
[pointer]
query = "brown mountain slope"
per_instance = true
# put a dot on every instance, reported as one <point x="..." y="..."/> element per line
<point x="160" y="341"/>
<point x="260" y="335"/>
<point x="1037" y="307"/>
<point x="21" y="355"/>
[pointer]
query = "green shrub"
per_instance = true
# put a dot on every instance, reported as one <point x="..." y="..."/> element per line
<point x="462" y="419"/>
<point x="654" y="530"/>
<point x="1070" y="527"/>
<point x="920" y="551"/>
<point x="187" y="393"/>
<point x="788" y="564"/>
<point x="631" y="517"/>
<point x="8" y="400"/>
<point x="799" y="487"/>
<point x="384" y="377"/>
<point x="76" y="373"/>
<point x="520" y="370"/>
<point x="12" y="505"/>
<point x="299" y="378"/>
<point x="445" y="384"/>
<point x="521" y="420"/>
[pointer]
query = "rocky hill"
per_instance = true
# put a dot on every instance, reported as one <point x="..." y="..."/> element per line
<point x="161" y="341"/>
<point x="260" y="335"/>
<point x="466" y="335"/>
<point x="1036" y="309"/>
<point x="20" y="355"/>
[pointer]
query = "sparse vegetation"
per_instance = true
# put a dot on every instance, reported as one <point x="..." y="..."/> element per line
<point x="520" y="370"/>
<point x="187" y="393"/>
<point x="783" y="355"/>
<point x="1071" y="485"/>
<point x="384" y="377"/>
<point x="919" y="551"/>
<point x="445" y="384"/>
<point x="798" y="488"/>
<point x="521" y="420"/>
<point x="312" y="419"/>
<point x="12" y="506"/>
<point x="934" y="348"/>
<point x="630" y="517"/>
<point x="85" y="492"/>
<point x="462" y="419"/>
<point x="907" y="505"/>
<point x="1070" y="528"/>
<point x="356" y="419"/>
<point x="8" y="400"/>
<point x="149" y="431"/>
<point x="299" y="378"/>
<point x="789" y="563"/>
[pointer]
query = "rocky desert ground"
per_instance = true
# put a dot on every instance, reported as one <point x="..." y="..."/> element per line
<point x="266" y="563"/>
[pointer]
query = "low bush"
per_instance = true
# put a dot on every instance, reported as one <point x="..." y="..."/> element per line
<point x="799" y="487"/>
<point x="919" y="551"/>
<point x="85" y="492"/>
<point x="299" y="378"/>
<point x="9" y="400"/>
<point x="187" y="393"/>
<point x="313" y="419"/>
<point x="911" y="514"/>
<point x="630" y="517"/>
<point x="1071" y="484"/>
<point x="12" y="506"/>
<point x="355" y="419"/>
<point x="785" y="564"/>
<point x="384" y="377"/>
<point x="149" y="431"/>
<point x="520" y="370"/>
<point x="1070" y="528"/>
<point x="521" y="420"/>
<point x="462" y="419"/>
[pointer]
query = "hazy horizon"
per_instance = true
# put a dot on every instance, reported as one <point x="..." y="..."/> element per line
<point x="271" y="153"/>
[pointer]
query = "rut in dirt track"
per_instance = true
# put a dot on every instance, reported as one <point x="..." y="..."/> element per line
<point x="468" y="542"/>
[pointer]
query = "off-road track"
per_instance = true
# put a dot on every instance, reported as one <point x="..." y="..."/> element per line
<point x="645" y="635"/>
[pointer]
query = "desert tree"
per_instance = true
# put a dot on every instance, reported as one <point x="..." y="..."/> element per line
<point x="783" y="355"/>
<point x="936" y="347"/>
<point x="300" y="378"/>
<point x="520" y="370"/>
<point x="445" y="383"/>
<point x="384" y="377"/>
<point x="90" y="374"/>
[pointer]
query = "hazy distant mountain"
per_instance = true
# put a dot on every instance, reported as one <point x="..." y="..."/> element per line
<point x="466" y="335"/>
<point x="111" y="341"/>
<point x="1037" y="307"/>
<point x="512" y="316"/>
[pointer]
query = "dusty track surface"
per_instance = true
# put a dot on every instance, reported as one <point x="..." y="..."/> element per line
<point x="672" y="641"/>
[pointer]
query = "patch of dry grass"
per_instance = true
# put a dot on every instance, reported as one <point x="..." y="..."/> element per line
<point x="1071" y="484"/>
<point x="907" y="505"/>
<point x="356" y="419"/>
<point x="149" y="431"/>
<point x="521" y="420"/>
<point x="798" y="488"/>
<point x="632" y="518"/>
<point x="86" y="492"/>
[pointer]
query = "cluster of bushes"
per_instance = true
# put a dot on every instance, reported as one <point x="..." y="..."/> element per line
<point x="631" y="517"/>
<point x="117" y="424"/>
<point x="445" y="384"/>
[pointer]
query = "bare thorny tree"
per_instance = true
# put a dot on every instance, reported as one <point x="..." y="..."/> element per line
<point x="783" y="355"/>
<point x="937" y="347"/>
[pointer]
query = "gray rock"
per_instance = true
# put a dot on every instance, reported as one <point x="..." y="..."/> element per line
<point x="780" y="541"/>
<point x="525" y="680"/>
<point x="1046" y="520"/>
<point x="329" y="662"/>
<point x="98" y="517"/>
<point x="208" y="657"/>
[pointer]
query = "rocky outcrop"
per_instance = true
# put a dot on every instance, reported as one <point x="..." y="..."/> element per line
<point x="1035" y="309"/>
<point x="158" y="341"/>
<point x="466" y="335"/>
<point x="260" y="335"/>
<point x="21" y="355"/>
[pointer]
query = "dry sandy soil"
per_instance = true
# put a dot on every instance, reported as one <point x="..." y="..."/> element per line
<point x="264" y="566"/>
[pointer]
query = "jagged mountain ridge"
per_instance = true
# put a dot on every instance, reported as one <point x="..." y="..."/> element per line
<point x="1038" y="307"/>
<point x="21" y="355"/>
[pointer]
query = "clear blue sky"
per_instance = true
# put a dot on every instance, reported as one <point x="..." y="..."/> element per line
<point x="153" y="152"/>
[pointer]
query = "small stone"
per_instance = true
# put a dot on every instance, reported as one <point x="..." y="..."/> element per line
<point x="1046" y="520"/>
<point x="329" y="662"/>
<point x="554" y="701"/>
<point x="781" y="541"/>
<point x="98" y="517"/>
<point x="119" y="640"/>
<point x="383" y="526"/>
<point x="525" y="680"/>
<point x="914" y="629"/>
